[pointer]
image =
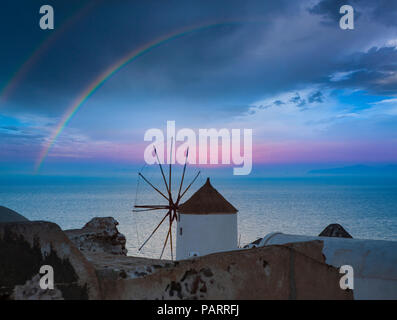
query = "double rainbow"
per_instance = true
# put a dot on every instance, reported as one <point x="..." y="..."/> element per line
<point x="99" y="81"/>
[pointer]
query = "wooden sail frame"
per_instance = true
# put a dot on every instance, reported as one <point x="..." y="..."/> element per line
<point x="172" y="207"/>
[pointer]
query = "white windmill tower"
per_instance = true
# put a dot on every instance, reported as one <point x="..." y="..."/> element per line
<point x="207" y="223"/>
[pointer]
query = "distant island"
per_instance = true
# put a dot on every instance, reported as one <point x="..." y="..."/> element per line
<point x="358" y="170"/>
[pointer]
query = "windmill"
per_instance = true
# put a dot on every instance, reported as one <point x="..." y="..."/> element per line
<point x="173" y="203"/>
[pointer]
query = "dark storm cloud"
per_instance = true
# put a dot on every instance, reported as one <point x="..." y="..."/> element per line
<point x="374" y="70"/>
<point x="329" y="9"/>
<point x="109" y="31"/>
<point x="252" y="55"/>
<point x="385" y="11"/>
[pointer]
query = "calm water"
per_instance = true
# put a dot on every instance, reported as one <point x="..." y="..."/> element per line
<point x="365" y="206"/>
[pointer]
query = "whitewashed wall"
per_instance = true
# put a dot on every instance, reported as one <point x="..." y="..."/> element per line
<point x="374" y="262"/>
<point x="205" y="233"/>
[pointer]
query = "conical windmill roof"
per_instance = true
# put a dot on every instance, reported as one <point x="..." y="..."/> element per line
<point x="207" y="200"/>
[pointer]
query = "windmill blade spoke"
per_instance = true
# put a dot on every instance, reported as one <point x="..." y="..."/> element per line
<point x="170" y="231"/>
<point x="183" y="177"/>
<point x="163" y="206"/>
<point x="165" y="243"/>
<point x="144" y="210"/>
<point x="148" y="182"/>
<point x="198" y="173"/>
<point x="162" y="220"/>
<point x="174" y="216"/>
<point x="161" y="169"/>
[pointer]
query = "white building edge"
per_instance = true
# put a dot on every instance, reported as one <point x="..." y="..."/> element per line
<point x="207" y="223"/>
<point x="374" y="262"/>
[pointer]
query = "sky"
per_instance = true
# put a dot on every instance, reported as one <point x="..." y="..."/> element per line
<point x="311" y="92"/>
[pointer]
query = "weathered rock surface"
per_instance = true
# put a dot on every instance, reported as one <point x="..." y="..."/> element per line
<point x="26" y="246"/>
<point x="293" y="271"/>
<point x="31" y="291"/>
<point x="290" y="271"/>
<point x="125" y="267"/>
<point x="335" y="230"/>
<point x="99" y="235"/>
<point x="8" y="215"/>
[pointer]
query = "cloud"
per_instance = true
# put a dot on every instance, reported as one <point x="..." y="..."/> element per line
<point x="386" y="107"/>
<point x="9" y="128"/>
<point x="296" y="115"/>
<point x="21" y="137"/>
<point x="316" y="97"/>
<point x="329" y="9"/>
<point x="324" y="117"/>
<point x="342" y="75"/>
<point x="385" y="11"/>
<point x="297" y="100"/>
<point x="374" y="70"/>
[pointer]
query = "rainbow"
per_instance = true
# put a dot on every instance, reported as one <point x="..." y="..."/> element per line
<point x="20" y="74"/>
<point x="103" y="77"/>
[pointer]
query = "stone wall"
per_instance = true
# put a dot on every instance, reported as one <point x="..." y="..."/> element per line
<point x="291" y="271"/>
<point x="26" y="246"/>
<point x="295" y="271"/>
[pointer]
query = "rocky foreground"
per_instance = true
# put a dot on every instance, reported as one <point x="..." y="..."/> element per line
<point x="91" y="263"/>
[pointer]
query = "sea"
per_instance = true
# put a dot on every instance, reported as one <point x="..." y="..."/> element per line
<point x="366" y="206"/>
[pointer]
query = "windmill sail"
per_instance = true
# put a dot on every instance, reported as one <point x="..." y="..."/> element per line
<point x="171" y="208"/>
